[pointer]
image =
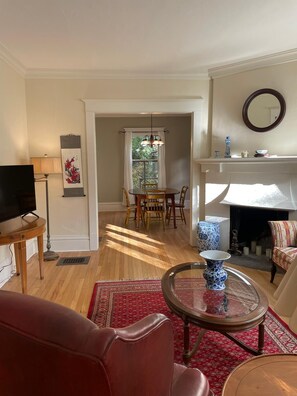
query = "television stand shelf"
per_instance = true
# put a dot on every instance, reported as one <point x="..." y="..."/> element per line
<point x="18" y="231"/>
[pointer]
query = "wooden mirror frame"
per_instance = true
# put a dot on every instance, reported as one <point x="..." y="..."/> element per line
<point x="252" y="97"/>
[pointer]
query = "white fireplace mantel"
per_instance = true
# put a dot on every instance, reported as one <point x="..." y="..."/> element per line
<point x="257" y="166"/>
<point x="283" y="164"/>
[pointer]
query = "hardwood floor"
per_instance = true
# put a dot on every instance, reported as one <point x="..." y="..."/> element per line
<point x="125" y="253"/>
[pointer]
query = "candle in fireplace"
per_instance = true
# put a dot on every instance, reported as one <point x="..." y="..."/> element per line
<point x="258" y="250"/>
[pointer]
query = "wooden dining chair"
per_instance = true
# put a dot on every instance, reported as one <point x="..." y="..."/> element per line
<point x="131" y="208"/>
<point x="154" y="209"/>
<point x="180" y="205"/>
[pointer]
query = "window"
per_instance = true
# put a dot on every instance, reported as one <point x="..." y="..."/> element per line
<point x="145" y="168"/>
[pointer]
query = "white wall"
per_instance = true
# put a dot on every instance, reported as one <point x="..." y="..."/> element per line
<point x="229" y="96"/>
<point x="13" y="119"/>
<point x="55" y="107"/>
<point x="13" y="139"/>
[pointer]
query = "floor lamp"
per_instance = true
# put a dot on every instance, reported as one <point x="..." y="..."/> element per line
<point x="47" y="165"/>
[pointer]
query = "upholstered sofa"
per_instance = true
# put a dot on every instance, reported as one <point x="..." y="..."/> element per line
<point x="284" y="239"/>
<point x="50" y="350"/>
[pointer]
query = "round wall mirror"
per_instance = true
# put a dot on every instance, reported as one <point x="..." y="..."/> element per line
<point x="263" y="110"/>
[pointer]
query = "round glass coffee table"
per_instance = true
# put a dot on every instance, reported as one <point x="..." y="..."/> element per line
<point x="240" y="306"/>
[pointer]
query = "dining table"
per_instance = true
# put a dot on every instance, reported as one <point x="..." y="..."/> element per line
<point x="140" y="194"/>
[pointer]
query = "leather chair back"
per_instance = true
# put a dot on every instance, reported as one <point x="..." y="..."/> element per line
<point x="48" y="349"/>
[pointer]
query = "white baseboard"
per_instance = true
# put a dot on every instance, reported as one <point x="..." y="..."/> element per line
<point x="66" y="243"/>
<point x="111" y="207"/>
<point x="69" y="243"/>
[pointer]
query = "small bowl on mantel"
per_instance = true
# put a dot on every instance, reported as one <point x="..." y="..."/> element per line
<point x="262" y="152"/>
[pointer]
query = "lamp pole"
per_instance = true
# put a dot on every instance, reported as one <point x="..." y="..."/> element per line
<point x="49" y="255"/>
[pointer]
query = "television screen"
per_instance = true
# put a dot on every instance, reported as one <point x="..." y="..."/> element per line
<point x="17" y="191"/>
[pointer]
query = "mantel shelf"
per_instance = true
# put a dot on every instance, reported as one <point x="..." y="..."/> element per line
<point x="249" y="160"/>
<point x="258" y="164"/>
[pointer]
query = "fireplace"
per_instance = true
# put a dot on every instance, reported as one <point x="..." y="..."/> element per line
<point x="250" y="190"/>
<point x="251" y="224"/>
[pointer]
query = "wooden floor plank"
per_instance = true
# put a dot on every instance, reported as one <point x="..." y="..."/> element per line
<point x="125" y="253"/>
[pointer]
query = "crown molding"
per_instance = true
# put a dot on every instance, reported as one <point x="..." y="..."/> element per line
<point x="7" y="57"/>
<point x="252" y="64"/>
<point x="214" y="72"/>
<point x="97" y="75"/>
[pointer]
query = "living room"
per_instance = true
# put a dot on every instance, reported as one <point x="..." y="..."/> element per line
<point x="41" y="103"/>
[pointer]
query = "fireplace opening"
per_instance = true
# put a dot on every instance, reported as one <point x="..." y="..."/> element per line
<point x="249" y="224"/>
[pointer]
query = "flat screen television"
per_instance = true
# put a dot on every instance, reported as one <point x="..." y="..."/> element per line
<point x="17" y="191"/>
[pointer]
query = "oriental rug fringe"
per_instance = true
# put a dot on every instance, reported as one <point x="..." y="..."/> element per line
<point x="119" y="304"/>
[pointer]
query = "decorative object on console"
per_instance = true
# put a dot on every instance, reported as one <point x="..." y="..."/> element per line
<point x="47" y="165"/>
<point x="214" y="274"/>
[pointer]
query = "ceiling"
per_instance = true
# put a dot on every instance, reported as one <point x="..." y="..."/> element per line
<point x="153" y="38"/>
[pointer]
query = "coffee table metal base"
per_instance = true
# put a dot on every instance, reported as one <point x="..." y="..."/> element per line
<point x="188" y="354"/>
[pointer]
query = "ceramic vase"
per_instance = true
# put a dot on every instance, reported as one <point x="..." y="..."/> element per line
<point x="208" y="236"/>
<point x="214" y="273"/>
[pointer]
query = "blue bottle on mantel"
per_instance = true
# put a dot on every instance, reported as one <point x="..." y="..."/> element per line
<point x="227" y="149"/>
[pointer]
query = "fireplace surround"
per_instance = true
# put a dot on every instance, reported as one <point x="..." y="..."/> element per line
<point x="264" y="188"/>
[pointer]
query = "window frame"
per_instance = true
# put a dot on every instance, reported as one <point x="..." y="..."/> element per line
<point x="146" y="131"/>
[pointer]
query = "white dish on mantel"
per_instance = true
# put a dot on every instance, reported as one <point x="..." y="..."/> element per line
<point x="262" y="152"/>
<point x="278" y="158"/>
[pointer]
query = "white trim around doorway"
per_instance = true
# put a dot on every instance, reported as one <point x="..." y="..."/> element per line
<point x="108" y="107"/>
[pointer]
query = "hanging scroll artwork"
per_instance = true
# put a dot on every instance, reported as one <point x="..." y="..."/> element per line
<point x="72" y="166"/>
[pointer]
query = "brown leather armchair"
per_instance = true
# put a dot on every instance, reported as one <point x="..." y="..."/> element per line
<point x="48" y="350"/>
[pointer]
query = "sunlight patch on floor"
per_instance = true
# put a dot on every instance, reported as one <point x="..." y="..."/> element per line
<point x="146" y="258"/>
<point x="129" y="232"/>
<point x="130" y="242"/>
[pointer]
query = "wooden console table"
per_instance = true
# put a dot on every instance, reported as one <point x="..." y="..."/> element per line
<point x="18" y="231"/>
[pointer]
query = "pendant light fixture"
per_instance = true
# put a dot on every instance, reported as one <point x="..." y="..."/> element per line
<point x="152" y="140"/>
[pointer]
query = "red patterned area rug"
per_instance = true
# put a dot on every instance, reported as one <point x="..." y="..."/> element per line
<point x="119" y="304"/>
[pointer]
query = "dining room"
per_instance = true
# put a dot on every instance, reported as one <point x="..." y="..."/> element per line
<point x="110" y="155"/>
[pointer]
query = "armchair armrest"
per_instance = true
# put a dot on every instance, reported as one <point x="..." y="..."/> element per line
<point x="144" y="356"/>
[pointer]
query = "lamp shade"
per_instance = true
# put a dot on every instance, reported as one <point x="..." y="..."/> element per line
<point x="46" y="165"/>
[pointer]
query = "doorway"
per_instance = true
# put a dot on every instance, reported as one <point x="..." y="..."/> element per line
<point x="102" y="107"/>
